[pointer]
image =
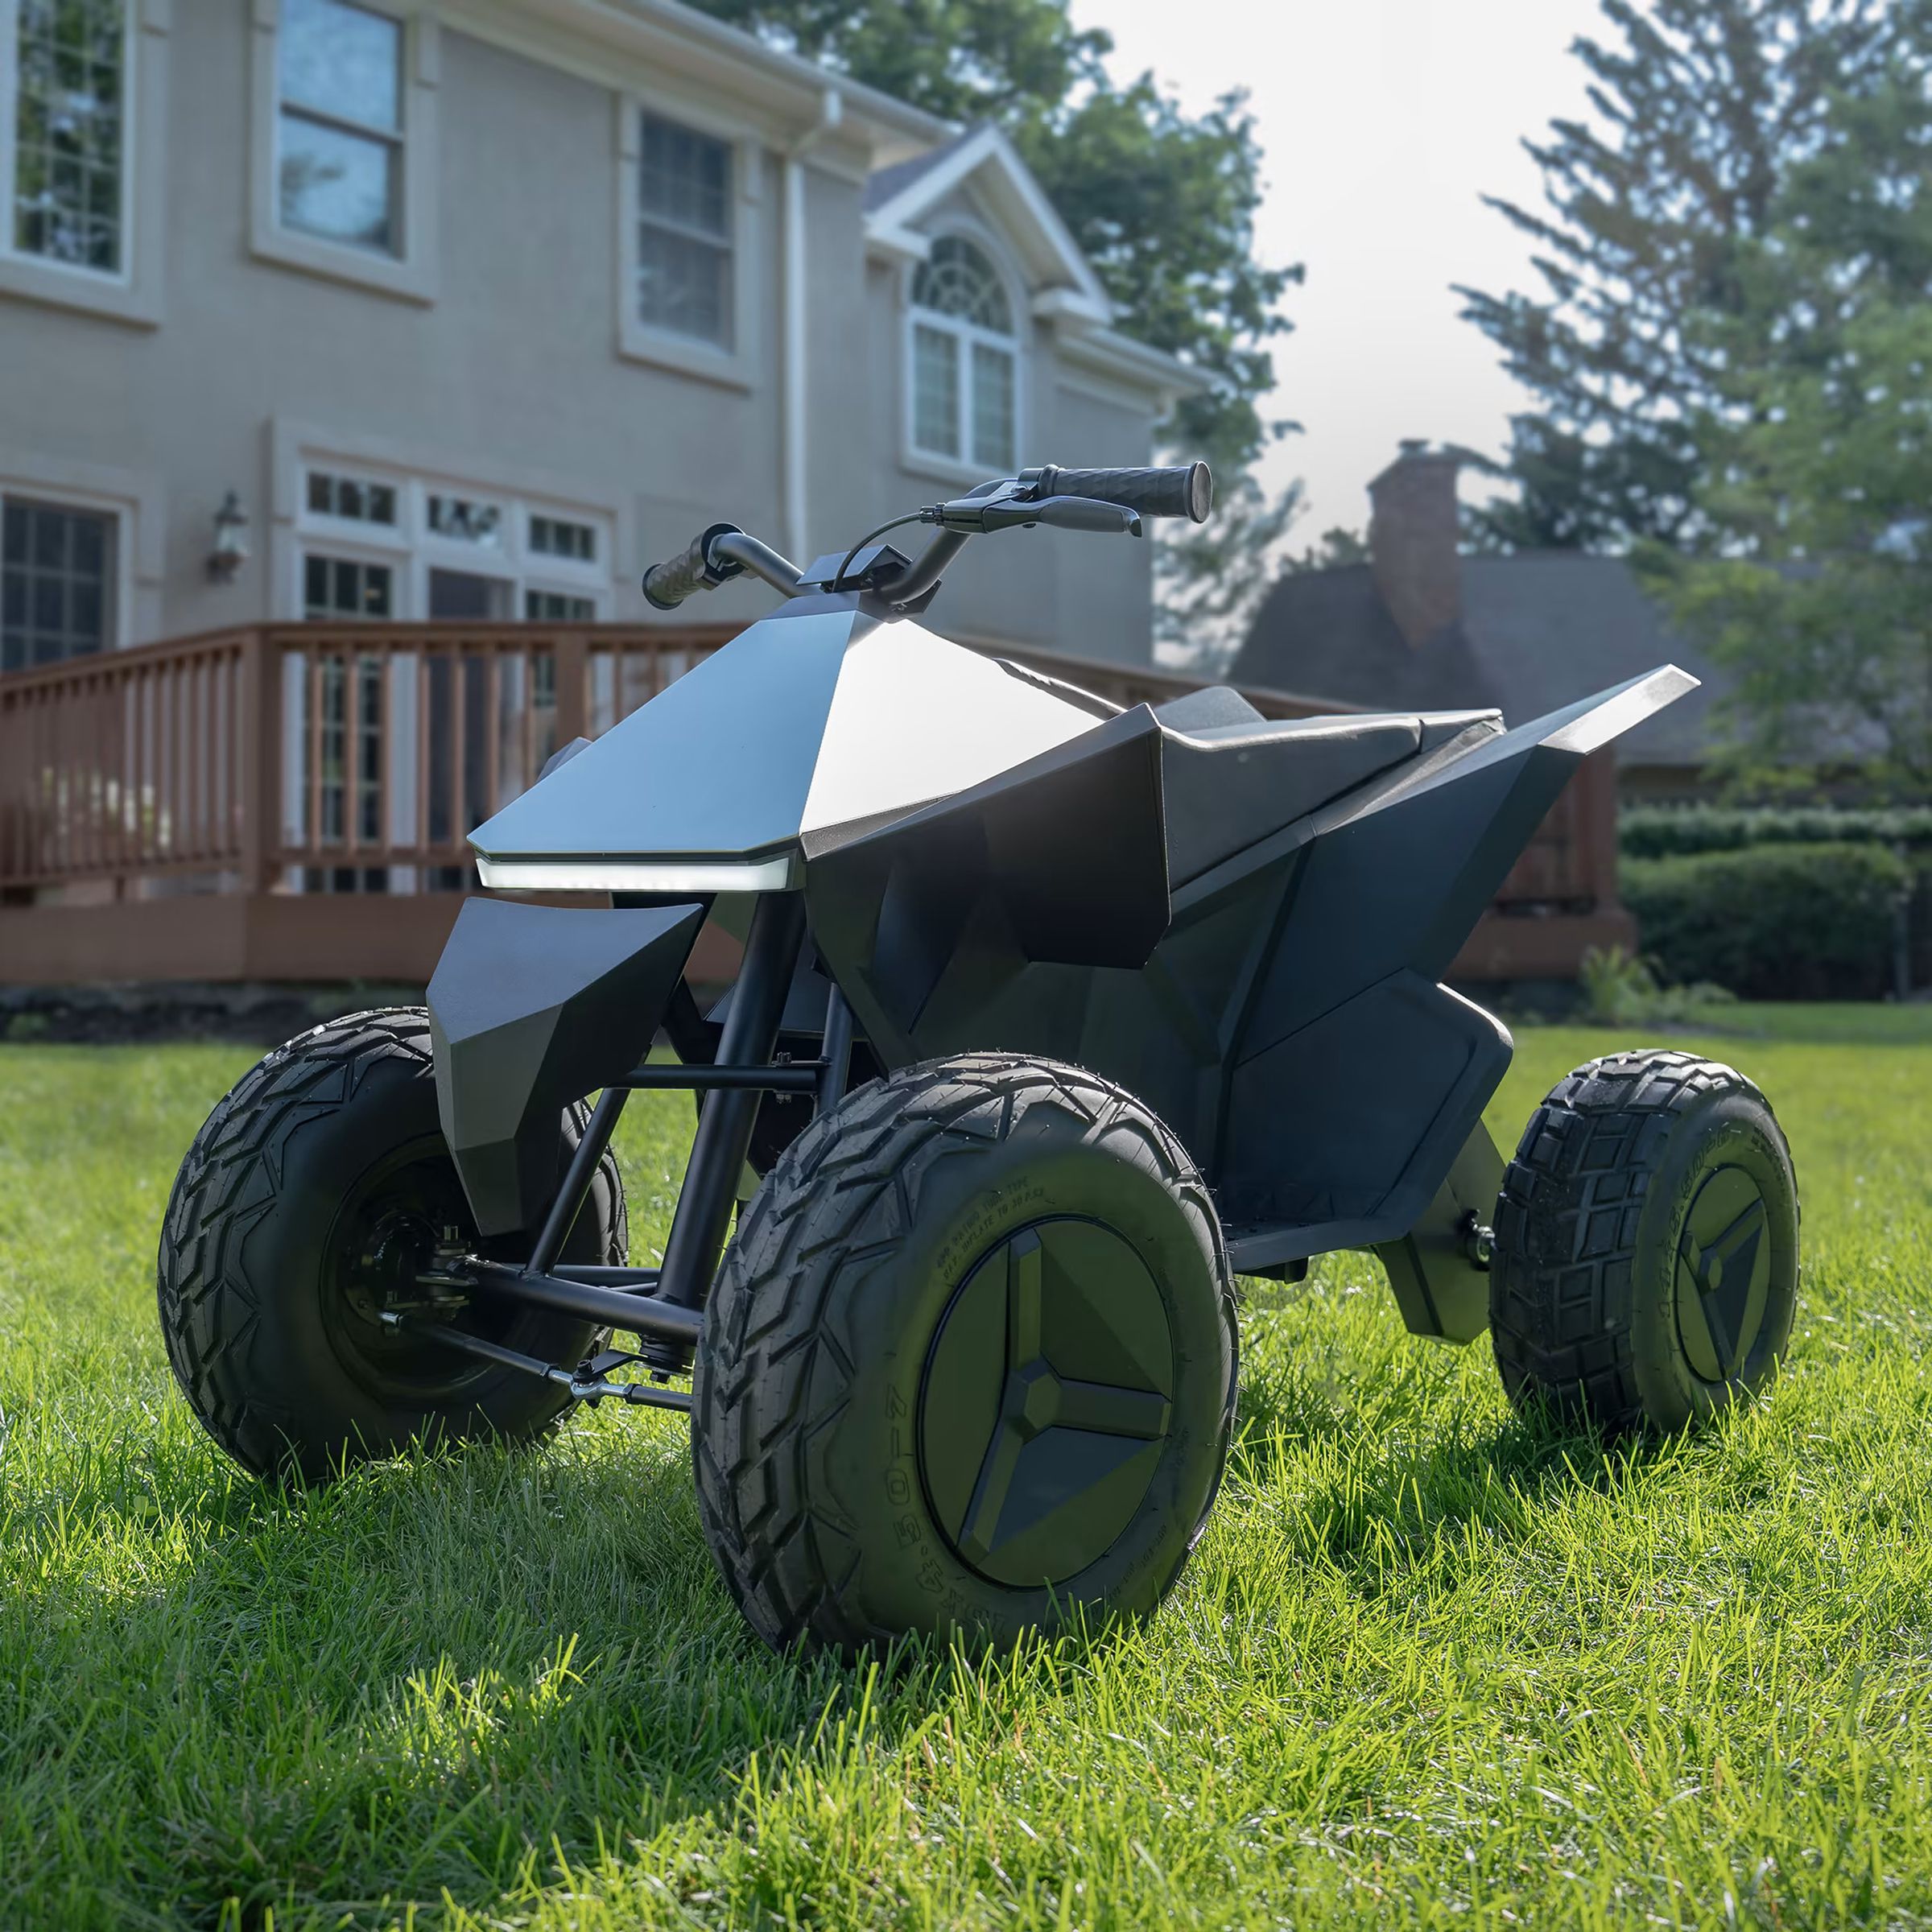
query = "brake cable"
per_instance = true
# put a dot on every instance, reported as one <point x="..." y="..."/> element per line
<point x="917" y="516"/>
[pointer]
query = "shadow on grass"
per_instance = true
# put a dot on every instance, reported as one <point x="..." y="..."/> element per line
<point x="1383" y="1498"/>
<point x="437" y="1675"/>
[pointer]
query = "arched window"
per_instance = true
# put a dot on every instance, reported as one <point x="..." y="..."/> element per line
<point x="964" y="358"/>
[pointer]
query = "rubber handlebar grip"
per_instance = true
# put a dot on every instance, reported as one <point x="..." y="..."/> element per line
<point x="667" y="584"/>
<point x="1182" y="489"/>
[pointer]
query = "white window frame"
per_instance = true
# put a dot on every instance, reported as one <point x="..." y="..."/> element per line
<point x="136" y="503"/>
<point x="410" y="276"/>
<point x="413" y="550"/>
<point x="133" y="292"/>
<point x="913" y="455"/>
<point x="121" y="589"/>
<point x="641" y="341"/>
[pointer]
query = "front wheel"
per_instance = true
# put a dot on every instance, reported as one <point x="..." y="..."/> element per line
<point x="970" y="1366"/>
<point x="1645" y="1266"/>
<point x="312" y="1198"/>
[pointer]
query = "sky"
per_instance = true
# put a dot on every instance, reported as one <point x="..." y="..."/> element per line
<point x="1383" y="123"/>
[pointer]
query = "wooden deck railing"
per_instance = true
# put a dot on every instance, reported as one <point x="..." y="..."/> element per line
<point x="327" y="758"/>
<point x="237" y="755"/>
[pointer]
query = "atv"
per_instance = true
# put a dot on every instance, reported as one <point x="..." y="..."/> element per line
<point x="1053" y="1018"/>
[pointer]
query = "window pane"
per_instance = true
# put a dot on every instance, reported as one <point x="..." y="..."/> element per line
<point x="343" y="587"/>
<point x="684" y="285"/>
<point x="936" y="390"/>
<point x="991" y="406"/>
<point x="957" y="279"/>
<point x="67" y="133"/>
<point x="342" y="60"/>
<point x="337" y="185"/>
<point x="56" y="583"/>
<point x="557" y="607"/>
<point x="559" y="537"/>
<point x="685" y="178"/>
<point x="330" y="495"/>
<point x="467" y="520"/>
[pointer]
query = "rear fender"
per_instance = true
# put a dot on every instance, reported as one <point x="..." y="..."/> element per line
<point x="533" y="1007"/>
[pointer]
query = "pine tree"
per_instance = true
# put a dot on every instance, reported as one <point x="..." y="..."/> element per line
<point x="1657" y="213"/>
<point x="1815" y="502"/>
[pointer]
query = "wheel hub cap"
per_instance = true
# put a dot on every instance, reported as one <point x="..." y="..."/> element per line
<point x="1724" y="1273"/>
<point x="1047" y="1397"/>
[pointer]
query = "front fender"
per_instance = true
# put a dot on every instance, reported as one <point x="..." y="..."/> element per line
<point x="533" y="1007"/>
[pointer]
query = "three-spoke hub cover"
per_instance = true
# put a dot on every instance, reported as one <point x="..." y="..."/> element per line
<point x="1724" y="1273"/>
<point x="1046" y="1400"/>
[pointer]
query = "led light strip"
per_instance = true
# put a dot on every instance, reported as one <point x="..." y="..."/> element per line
<point x="782" y="874"/>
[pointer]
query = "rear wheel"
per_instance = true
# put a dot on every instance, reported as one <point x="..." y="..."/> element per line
<point x="312" y="1198"/>
<point x="969" y="1365"/>
<point x="1645" y="1266"/>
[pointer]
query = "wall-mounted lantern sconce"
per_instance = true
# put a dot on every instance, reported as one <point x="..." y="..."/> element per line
<point x="230" y="552"/>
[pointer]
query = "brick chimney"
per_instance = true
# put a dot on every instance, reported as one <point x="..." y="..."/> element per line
<point x="1413" y="528"/>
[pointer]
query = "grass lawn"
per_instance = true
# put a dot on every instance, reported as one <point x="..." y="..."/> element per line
<point x="1428" y="1666"/>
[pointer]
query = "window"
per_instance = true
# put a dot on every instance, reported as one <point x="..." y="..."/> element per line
<point x="351" y="498"/>
<point x="466" y="520"/>
<point x="346" y="587"/>
<point x="66" y="172"/>
<point x="964" y="358"/>
<point x="557" y="536"/>
<point x="558" y="606"/>
<point x="57" y="566"/>
<point x="339" y="146"/>
<point x="684" y="232"/>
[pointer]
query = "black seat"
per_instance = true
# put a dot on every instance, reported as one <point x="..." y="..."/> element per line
<point x="1228" y="779"/>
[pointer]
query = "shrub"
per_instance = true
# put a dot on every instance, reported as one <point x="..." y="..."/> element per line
<point x="1620" y="991"/>
<point x="1773" y="922"/>
<point x="1654" y="832"/>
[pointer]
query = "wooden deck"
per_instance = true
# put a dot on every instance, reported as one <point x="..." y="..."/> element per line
<point x="289" y="802"/>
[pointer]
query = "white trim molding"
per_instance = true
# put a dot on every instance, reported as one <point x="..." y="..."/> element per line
<point x="134" y="294"/>
<point x="407" y="545"/>
<point x="989" y="161"/>
<point x="1151" y="371"/>
<point x="1064" y="292"/>
<point x="411" y="275"/>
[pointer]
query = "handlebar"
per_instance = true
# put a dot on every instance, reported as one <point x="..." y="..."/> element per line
<point x="1102" y="501"/>
<point x="1183" y="489"/>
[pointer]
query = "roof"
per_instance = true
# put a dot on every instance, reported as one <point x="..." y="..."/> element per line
<point x="697" y="48"/>
<point x="885" y="184"/>
<point x="1066" y="290"/>
<point x="1539" y="629"/>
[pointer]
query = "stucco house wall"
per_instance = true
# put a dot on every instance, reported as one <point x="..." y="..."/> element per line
<point x="494" y="359"/>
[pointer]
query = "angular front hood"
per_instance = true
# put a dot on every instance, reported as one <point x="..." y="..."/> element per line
<point x="812" y="720"/>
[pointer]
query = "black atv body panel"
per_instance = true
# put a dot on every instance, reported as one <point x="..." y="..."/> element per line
<point x="533" y="1007"/>
<point x="1269" y="985"/>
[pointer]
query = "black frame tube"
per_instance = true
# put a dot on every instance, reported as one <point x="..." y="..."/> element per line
<point x="702" y="1218"/>
<point x="705" y="1077"/>
<point x="633" y="1280"/>
<point x="835" y="1055"/>
<point x="640" y="1315"/>
<point x="564" y="1209"/>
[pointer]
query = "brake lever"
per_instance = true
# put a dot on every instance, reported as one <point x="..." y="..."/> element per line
<point x="978" y="517"/>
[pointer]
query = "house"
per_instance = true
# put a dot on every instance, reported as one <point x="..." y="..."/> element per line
<point x="1421" y="625"/>
<point x="470" y="309"/>
<point x="355" y="357"/>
